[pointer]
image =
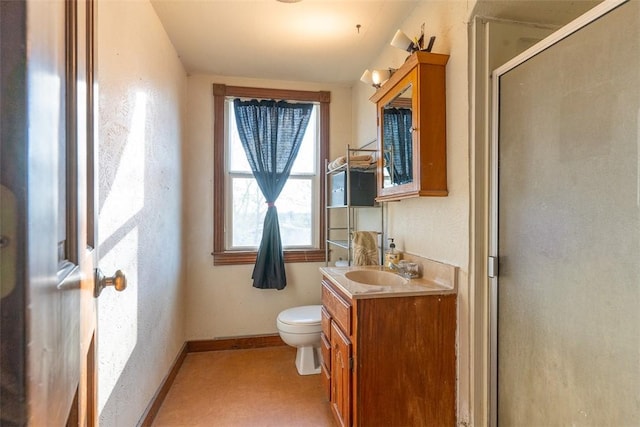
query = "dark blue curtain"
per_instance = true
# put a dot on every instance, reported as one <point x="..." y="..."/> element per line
<point x="271" y="133"/>
<point x="397" y="125"/>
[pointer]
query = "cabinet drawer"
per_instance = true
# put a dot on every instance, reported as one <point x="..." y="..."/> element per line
<point x="325" y="319"/>
<point x="325" y="346"/>
<point x="337" y="307"/>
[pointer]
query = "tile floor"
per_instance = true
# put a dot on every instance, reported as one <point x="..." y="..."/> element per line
<point x="237" y="388"/>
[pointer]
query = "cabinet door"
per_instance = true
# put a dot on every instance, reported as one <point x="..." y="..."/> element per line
<point x="412" y="138"/>
<point x="340" y="375"/>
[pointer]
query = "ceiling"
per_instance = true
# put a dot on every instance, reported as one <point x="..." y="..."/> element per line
<point x="313" y="40"/>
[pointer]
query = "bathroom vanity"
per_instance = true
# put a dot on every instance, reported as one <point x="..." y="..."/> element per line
<point x="389" y="355"/>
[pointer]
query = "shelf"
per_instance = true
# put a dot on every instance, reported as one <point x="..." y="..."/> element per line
<point x="344" y="244"/>
<point x="345" y="166"/>
<point x="338" y="169"/>
<point x="377" y="205"/>
<point x="348" y="186"/>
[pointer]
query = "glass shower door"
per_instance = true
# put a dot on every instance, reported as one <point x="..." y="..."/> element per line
<point x="568" y="298"/>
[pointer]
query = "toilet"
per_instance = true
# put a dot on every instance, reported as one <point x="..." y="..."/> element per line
<point x="300" y="327"/>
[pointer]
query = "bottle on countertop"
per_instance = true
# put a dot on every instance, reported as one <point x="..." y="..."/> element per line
<point x="391" y="256"/>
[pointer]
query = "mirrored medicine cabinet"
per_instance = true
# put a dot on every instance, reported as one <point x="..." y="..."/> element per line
<point x="411" y="110"/>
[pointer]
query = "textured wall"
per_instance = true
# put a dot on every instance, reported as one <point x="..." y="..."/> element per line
<point x="142" y="98"/>
<point x="433" y="227"/>
<point x="221" y="301"/>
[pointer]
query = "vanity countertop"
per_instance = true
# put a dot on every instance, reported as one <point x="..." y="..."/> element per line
<point x="412" y="287"/>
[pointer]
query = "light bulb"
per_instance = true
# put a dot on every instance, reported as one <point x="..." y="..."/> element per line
<point x="380" y="76"/>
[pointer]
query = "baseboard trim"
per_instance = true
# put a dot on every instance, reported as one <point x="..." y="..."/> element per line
<point x="235" y="343"/>
<point x="154" y="406"/>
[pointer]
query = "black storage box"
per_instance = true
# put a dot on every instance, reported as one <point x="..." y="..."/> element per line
<point x="363" y="189"/>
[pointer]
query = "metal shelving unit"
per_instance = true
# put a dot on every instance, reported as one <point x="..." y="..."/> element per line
<point x="343" y="240"/>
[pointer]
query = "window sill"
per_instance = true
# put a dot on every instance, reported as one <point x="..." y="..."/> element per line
<point x="249" y="257"/>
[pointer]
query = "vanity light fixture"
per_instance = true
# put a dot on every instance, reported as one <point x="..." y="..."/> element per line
<point x="366" y="77"/>
<point x="380" y="76"/>
<point x="402" y="41"/>
<point x="376" y="78"/>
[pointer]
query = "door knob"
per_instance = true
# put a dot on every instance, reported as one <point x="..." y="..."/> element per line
<point x="118" y="281"/>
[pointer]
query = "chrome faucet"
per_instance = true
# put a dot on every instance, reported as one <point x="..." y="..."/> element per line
<point x="406" y="269"/>
<point x="393" y="267"/>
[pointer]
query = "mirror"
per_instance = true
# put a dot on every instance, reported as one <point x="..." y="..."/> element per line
<point x="397" y="139"/>
<point x="412" y="130"/>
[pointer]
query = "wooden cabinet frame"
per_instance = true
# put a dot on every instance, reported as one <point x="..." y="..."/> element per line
<point x="426" y="72"/>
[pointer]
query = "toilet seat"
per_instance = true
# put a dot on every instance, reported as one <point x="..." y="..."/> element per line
<point x="300" y="320"/>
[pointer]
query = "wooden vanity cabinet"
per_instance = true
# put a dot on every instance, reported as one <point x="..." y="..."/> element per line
<point x="337" y="361"/>
<point x="391" y="361"/>
<point x="418" y="87"/>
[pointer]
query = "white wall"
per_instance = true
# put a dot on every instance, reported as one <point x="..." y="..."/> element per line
<point x="220" y="300"/>
<point x="141" y="108"/>
<point x="443" y="230"/>
<point x="432" y="227"/>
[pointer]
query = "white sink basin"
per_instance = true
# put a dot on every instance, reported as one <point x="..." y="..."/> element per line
<point x="375" y="277"/>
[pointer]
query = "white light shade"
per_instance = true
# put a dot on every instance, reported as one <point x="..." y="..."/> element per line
<point x="366" y="77"/>
<point x="401" y="41"/>
<point x="380" y="76"/>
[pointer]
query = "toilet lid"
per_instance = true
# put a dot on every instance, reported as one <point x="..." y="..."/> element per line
<point x="305" y="315"/>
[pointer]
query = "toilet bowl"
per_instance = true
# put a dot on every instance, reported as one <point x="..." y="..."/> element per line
<point x="300" y="327"/>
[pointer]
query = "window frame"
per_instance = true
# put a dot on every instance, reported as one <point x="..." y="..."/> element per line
<point x="222" y="256"/>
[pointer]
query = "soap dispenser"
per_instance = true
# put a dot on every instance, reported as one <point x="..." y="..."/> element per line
<point x="391" y="256"/>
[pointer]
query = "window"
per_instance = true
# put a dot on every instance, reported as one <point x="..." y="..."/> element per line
<point x="297" y="204"/>
<point x="239" y="206"/>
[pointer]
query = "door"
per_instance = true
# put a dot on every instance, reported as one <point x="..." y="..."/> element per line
<point x="47" y="250"/>
<point x="567" y="174"/>
<point x="340" y="375"/>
